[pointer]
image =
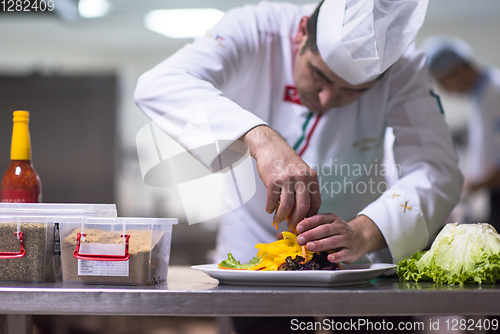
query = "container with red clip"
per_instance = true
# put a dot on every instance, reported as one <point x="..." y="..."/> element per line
<point x="121" y="251"/>
<point x="26" y="248"/>
<point x="54" y="214"/>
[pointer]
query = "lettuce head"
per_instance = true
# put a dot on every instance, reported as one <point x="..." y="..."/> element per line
<point x="464" y="253"/>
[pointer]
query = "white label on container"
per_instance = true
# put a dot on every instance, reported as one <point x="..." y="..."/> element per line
<point x="103" y="268"/>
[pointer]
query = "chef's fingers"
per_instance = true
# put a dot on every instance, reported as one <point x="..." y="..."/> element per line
<point x="287" y="200"/>
<point x="323" y="237"/>
<point x="316" y="220"/>
<point x="279" y="235"/>
<point x="302" y="204"/>
<point x="327" y="243"/>
<point x="344" y="255"/>
<point x="273" y="196"/>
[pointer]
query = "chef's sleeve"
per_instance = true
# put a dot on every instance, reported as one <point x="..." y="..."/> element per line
<point x="430" y="182"/>
<point x="182" y="95"/>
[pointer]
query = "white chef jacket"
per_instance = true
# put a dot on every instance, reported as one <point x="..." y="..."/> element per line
<point x="238" y="76"/>
<point x="483" y="157"/>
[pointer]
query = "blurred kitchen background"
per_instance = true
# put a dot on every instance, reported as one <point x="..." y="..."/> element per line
<point x="76" y="72"/>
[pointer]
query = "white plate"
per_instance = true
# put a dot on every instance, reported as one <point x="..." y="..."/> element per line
<point x="351" y="274"/>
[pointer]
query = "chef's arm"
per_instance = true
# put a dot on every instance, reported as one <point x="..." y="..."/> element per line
<point x="369" y="234"/>
<point x="287" y="178"/>
<point x="430" y="182"/>
<point x="183" y="94"/>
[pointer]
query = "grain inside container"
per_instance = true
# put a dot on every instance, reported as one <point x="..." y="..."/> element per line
<point x="26" y="248"/>
<point x="129" y="251"/>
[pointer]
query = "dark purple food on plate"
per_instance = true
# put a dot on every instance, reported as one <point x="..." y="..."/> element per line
<point x="318" y="262"/>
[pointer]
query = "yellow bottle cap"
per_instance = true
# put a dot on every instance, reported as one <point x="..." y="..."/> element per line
<point x="20" y="146"/>
<point x="21" y="116"/>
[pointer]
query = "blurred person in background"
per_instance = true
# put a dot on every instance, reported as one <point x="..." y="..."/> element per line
<point x="451" y="63"/>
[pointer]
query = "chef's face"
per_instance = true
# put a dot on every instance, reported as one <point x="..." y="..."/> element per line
<point x="318" y="87"/>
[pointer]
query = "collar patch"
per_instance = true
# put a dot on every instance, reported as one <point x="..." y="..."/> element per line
<point x="291" y="95"/>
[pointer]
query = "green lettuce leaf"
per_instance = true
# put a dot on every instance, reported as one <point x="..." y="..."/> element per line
<point x="232" y="263"/>
<point x="466" y="253"/>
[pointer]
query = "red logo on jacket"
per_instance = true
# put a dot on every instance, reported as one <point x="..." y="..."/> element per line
<point x="292" y="95"/>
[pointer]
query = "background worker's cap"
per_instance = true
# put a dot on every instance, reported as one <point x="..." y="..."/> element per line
<point x="360" y="39"/>
<point x="445" y="54"/>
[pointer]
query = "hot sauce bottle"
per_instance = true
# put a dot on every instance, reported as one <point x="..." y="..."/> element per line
<point x="20" y="183"/>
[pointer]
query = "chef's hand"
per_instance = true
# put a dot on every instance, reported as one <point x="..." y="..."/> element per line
<point x="350" y="240"/>
<point x="288" y="179"/>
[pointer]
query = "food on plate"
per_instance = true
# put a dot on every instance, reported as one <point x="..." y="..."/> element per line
<point x="284" y="254"/>
<point x="319" y="261"/>
<point x="231" y="263"/>
<point x="465" y="253"/>
<point x="277" y="225"/>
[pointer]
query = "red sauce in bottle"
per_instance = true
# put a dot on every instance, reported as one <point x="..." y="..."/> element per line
<point x="20" y="183"/>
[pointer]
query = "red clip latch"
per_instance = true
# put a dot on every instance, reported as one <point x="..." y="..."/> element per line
<point x="100" y="257"/>
<point x="14" y="255"/>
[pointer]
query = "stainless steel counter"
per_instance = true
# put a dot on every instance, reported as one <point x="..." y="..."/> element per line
<point x="191" y="293"/>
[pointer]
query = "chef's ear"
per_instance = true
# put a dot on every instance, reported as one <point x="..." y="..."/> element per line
<point x="301" y="36"/>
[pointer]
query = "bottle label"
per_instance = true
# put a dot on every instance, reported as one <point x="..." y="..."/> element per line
<point x="21" y="196"/>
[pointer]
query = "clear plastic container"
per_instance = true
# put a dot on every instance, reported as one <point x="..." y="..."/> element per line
<point x="58" y="209"/>
<point x="26" y="248"/>
<point x="120" y="251"/>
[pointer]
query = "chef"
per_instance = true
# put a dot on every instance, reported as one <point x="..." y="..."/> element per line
<point x="452" y="65"/>
<point x="311" y="92"/>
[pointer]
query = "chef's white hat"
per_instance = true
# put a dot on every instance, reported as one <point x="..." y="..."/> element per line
<point x="445" y="53"/>
<point x="360" y="39"/>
